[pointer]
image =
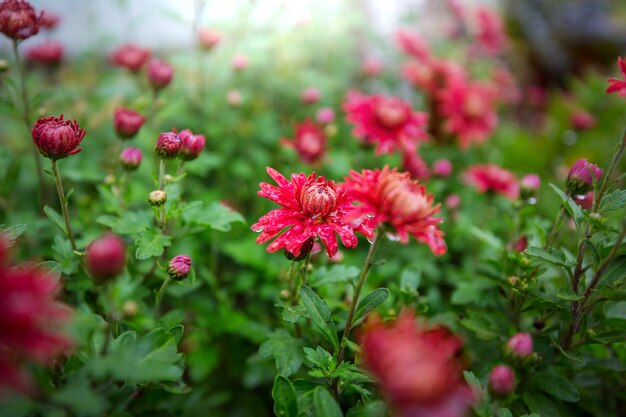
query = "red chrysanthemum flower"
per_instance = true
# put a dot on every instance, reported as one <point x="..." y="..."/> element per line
<point x="57" y="138"/>
<point x="391" y="197"/>
<point x="388" y="122"/>
<point x="492" y="178"/>
<point x="130" y="56"/>
<point x="311" y="207"/>
<point x="490" y="33"/>
<point x="310" y="142"/>
<point x="418" y="368"/>
<point x="616" y="85"/>
<point x="48" y="54"/>
<point x="18" y="19"/>
<point x="468" y="109"/>
<point x="30" y="321"/>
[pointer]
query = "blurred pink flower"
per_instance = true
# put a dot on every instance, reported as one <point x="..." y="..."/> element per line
<point x="616" y="85"/>
<point x="209" y="38"/>
<point x="130" y="56"/>
<point x="48" y="53"/>
<point x="442" y="168"/>
<point x="127" y="123"/>
<point x="325" y="115"/>
<point x="453" y="201"/>
<point x="191" y="145"/>
<point x="492" y="178"/>
<point x="582" y="120"/>
<point x="371" y="67"/>
<point x="412" y="44"/>
<point x="490" y="33"/>
<point x="309" y="141"/>
<point x="239" y="62"/>
<point x="49" y="20"/>
<point x="502" y="380"/>
<point x="310" y="95"/>
<point x="234" y="98"/>
<point x="160" y="74"/>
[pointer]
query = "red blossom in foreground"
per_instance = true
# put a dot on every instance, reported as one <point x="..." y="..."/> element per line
<point x="468" y="108"/>
<point x="388" y="122"/>
<point x="616" y="85"/>
<point x="31" y="321"/>
<point x="309" y="142"/>
<point x="18" y="19"/>
<point x="57" y="138"/>
<point x="492" y="178"/>
<point x="418" y="368"/>
<point x="49" y="53"/>
<point x="390" y="197"/>
<point x="130" y="56"/>
<point x="490" y="33"/>
<point x="311" y="207"/>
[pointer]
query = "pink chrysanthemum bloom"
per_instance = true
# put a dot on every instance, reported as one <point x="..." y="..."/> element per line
<point x="412" y="44"/>
<point x="418" y="368"/>
<point x="130" y="56"/>
<point x="415" y="165"/>
<point x="490" y="33"/>
<point x="616" y="85"/>
<point x="31" y="321"/>
<point x="492" y="178"/>
<point x="468" y="109"/>
<point x="390" y="197"/>
<point x="433" y="75"/>
<point x="311" y="207"/>
<point x="388" y="122"/>
<point x="371" y="67"/>
<point x="48" y="54"/>
<point x="309" y="142"/>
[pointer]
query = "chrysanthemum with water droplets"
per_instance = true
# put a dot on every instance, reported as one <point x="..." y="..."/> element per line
<point x="312" y="207"/>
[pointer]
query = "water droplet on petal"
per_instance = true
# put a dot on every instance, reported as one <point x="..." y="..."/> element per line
<point x="257" y="229"/>
<point x="393" y="237"/>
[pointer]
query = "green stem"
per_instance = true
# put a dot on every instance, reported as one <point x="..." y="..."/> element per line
<point x="161" y="173"/>
<point x="159" y="296"/>
<point x="367" y="265"/>
<point x="555" y="227"/>
<point x="66" y="216"/>
<point x="609" y="173"/>
<point x="26" y="119"/>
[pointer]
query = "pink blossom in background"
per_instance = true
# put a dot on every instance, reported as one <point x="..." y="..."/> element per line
<point x="48" y="53"/>
<point x="489" y="31"/>
<point x="49" y="20"/>
<point x="412" y="44"/>
<point x="234" y="98"/>
<point x="492" y="178"/>
<point x="130" y="56"/>
<point x="209" y="38"/>
<point x="325" y="115"/>
<point x="309" y="141"/>
<point x="453" y="201"/>
<point x="239" y="62"/>
<point x="310" y="95"/>
<point x="442" y="168"/>
<point x="371" y="67"/>
<point x="582" y="120"/>
<point x="414" y="164"/>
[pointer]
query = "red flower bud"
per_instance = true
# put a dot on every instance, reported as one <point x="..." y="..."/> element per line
<point x="502" y="380"/>
<point x="57" y="138"/>
<point x="18" y="19"/>
<point x="127" y="123"/>
<point x="105" y="257"/>
<point x="520" y="244"/>
<point x="160" y="74"/>
<point x="319" y="198"/>
<point x="131" y="158"/>
<point x="529" y="185"/>
<point x="48" y="54"/>
<point x="580" y="179"/>
<point x="520" y="346"/>
<point x="130" y="56"/>
<point x="442" y="168"/>
<point x="585" y="201"/>
<point x="179" y="267"/>
<point x="168" y="145"/>
<point x="191" y="145"/>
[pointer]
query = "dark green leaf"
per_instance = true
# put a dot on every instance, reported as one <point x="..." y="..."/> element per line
<point x="615" y="272"/>
<point x="286" y="351"/>
<point x="151" y="243"/>
<point x="319" y="313"/>
<point x="555" y="256"/>
<point x="324" y="404"/>
<point x="614" y="201"/>
<point x="80" y="398"/>
<point x="572" y="208"/>
<point x="540" y="404"/>
<point x="370" y="302"/>
<point x="129" y="223"/>
<point x="372" y="409"/>
<point x="285" y="400"/>
<point x="567" y="294"/>
<point x="333" y="274"/>
<point x="216" y="215"/>
<point x="556" y="386"/>
<point x="55" y="218"/>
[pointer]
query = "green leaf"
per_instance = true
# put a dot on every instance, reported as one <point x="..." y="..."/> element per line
<point x="372" y="409"/>
<point x="319" y="313"/>
<point x="55" y="218"/>
<point x="324" y="404"/>
<point x="556" y="386"/>
<point x="555" y="256"/>
<point x="79" y="397"/>
<point x="320" y="358"/>
<point x="370" y="302"/>
<point x="615" y="272"/>
<point x="151" y="243"/>
<point x="216" y="215"/>
<point x="505" y="412"/>
<point x="130" y="223"/>
<point x="540" y="404"/>
<point x="12" y="232"/>
<point x="567" y="294"/>
<point x="614" y="201"/>
<point x="332" y="275"/>
<point x="410" y="280"/>
<point x="574" y="210"/>
<point x="284" y="395"/>
<point x="286" y="351"/>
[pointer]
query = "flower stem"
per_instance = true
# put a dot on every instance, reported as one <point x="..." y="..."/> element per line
<point x="367" y="265"/>
<point x="159" y="296"/>
<point x="66" y="216"/>
<point x="26" y="119"/>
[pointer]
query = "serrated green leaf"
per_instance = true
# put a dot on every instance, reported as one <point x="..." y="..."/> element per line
<point x="151" y="243"/>
<point x="615" y="272"/>
<point x="614" y="201"/>
<point x="319" y="313"/>
<point x="55" y="218"/>
<point x="324" y="404"/>
<point x="370" y="302"/>
<point x="284" y="395"/>
<point x="540" y="404"/>
<point x="555" y="256"/>
<point x="129" y="223"/>
<point x="215" y="215"/>
<point x="286" y="351"/>
<point x="566" y="293"/>
<point x="556" y="386"/>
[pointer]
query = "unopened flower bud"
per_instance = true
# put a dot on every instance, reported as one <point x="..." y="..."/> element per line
<point x="168" y="145"/>
<point x="582" y="120"/>
<point x="442" y="168"/>
<point x="310" y="95"/>
<point x="160" y="74"/>
<point x="130" y="308"/>
<point x="209" y="38"/>
<point x="285" y="294"/>
<point x="529" y="185"/>
<point x="520" y="244"/>
<point x="239" y="62"/>
<point x="179" y="266"/>
<point x="18" y="19"/>
<point x="191" y="145"/>
<point x="580" y="179"/>
<point x="127" y="123"/>
<point x="502" y="381"/>
<point x="306" y="249"/>
<point x="513" y="280"/>
<point x="57" y="138"/>
<point x="157" y="198"/>
<point x="168" y="179"/>
<point x="105" y="257"/>
<point x="130" y="158"/>
<point x="520" y="346"/>
<point x="585" y="201"/>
